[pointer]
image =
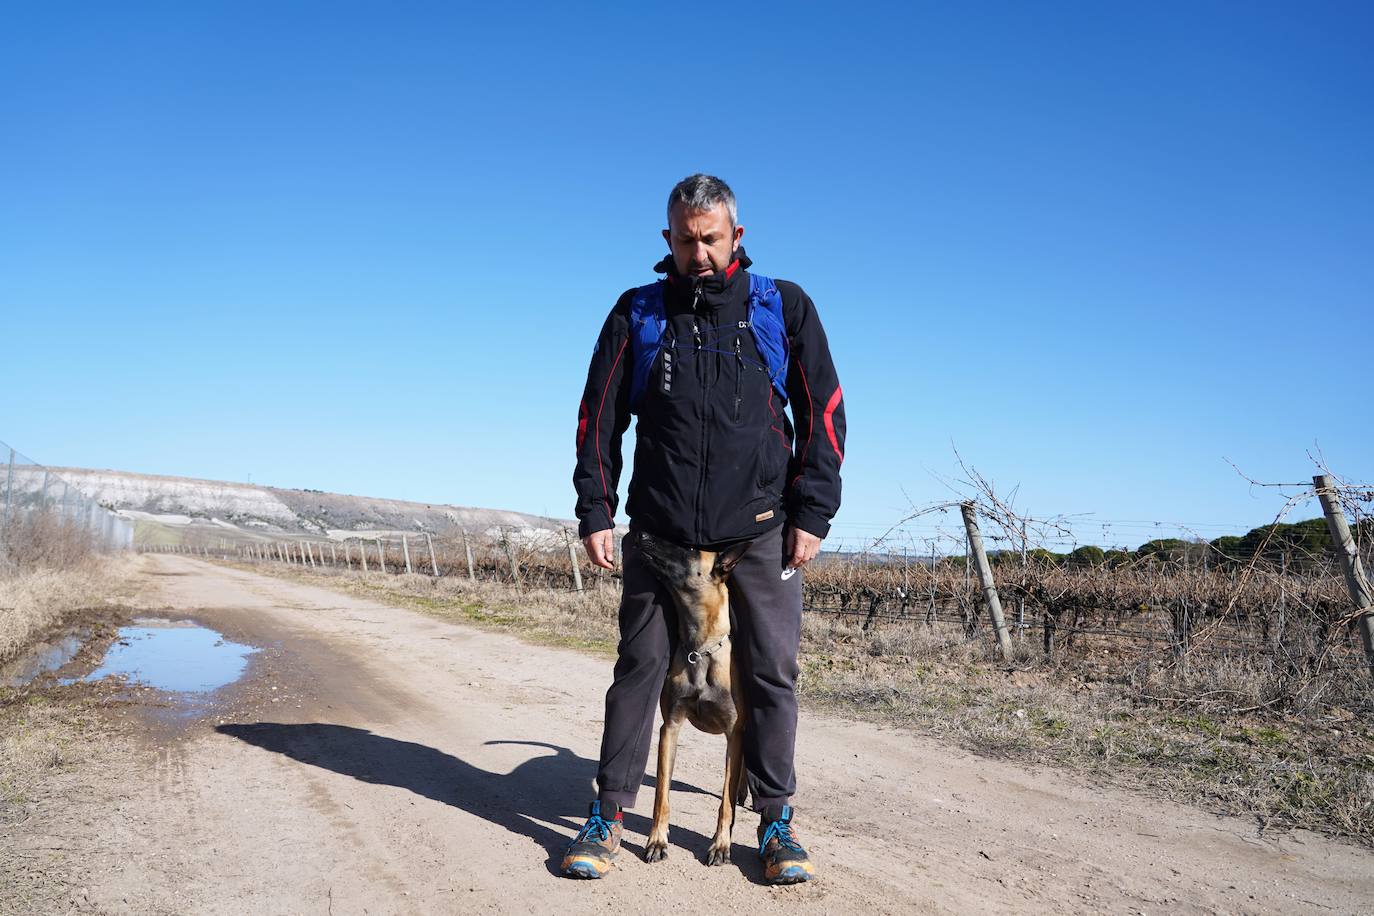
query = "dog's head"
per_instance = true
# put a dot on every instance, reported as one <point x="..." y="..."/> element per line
<point x="693" y="575"/>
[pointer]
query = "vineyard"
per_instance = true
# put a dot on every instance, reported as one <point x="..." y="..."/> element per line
<point x="1271" y="629"/>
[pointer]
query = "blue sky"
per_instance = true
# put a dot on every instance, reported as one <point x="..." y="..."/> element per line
<point x="366" y="247"/>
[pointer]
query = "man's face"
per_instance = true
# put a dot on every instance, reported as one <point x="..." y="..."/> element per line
<point x="702" y="241"/>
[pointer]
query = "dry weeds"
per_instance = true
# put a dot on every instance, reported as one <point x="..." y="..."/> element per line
<point x="38" y="600"/>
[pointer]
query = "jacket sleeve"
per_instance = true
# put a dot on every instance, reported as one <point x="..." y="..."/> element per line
<point x="602" y="419"/>
<point x="814" y="394"/>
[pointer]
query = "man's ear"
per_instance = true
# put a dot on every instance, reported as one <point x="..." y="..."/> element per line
<point x="727" y="558"/>
<point x="739" y="234"/>
<point x="668" y="237"/>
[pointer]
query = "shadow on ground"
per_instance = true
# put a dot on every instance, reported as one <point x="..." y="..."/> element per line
<point x="547" y="788"/>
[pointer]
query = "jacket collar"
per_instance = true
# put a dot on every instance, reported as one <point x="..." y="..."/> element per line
<point x="716" y="290"/>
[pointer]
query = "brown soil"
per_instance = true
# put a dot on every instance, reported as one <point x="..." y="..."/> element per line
<point x="374" y="760"/>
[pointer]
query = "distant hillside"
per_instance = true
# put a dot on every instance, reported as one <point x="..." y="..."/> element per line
<point x="252" y="510"/>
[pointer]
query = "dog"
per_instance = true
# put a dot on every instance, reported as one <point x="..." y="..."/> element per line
<point x="703" y="685"/>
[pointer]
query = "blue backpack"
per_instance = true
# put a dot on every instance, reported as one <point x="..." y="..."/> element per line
<point x="648" y="322"/>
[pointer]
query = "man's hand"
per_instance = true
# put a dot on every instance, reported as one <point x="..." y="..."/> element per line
<point x="600" y="547"/>
<point x="802" y="547"/>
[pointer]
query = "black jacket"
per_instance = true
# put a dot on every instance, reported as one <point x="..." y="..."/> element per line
<point x="716" y="458"/>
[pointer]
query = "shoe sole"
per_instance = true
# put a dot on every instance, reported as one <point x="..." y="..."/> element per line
<point x="795" y="874"/>
<point x="582" y="869"/>
<point x="585" y="867"/>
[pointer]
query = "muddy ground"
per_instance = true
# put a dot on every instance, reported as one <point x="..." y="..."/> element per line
<point x="373" y="760"/>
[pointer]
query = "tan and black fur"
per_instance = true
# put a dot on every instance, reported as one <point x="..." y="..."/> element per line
<point x="703" y="685"/>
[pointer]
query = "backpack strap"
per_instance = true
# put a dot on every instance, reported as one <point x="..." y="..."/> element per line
<point x="647" y="324"/>
<point x="769" y="329"/>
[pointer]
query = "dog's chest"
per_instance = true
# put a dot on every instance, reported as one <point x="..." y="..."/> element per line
<point x="704" y="684"/>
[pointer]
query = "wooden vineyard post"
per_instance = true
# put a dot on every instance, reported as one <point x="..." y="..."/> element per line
<point x="433" y="563"/>
<point x="348" y="560"/>
<point x="1349" y="555"/>
<point x="572" y="558"/>
<point x="975" y="539"/>
<point x="362" y="554"/>
<point x="405" y="552"/>
<point x="510" y="555"/>
<point x="333" y="555"/>
<point x="467" y="549"/>
<point x="381" y="555"/>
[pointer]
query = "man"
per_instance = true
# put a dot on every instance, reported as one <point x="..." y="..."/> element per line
<point x="706" y="359"/>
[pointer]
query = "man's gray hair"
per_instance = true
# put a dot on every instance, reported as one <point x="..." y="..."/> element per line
<point x="702" y="192"/>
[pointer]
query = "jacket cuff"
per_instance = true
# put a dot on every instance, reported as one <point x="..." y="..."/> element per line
<point x="595" y="521"/>
<point x="811" y="522"/>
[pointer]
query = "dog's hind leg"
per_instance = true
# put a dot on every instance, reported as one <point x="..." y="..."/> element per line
<point x="719" y="853"/>
<point x="657" y="847"/>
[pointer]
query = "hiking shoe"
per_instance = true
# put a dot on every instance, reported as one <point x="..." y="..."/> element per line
<point x="590" y="853"/>
<point x="784" y="859"/>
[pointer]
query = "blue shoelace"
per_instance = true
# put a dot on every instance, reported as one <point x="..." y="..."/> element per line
<point x="783" y="831"/>
<point x="597" y="829"/>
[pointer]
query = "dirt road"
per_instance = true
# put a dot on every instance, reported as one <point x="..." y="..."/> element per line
<point x="374" y="760"/>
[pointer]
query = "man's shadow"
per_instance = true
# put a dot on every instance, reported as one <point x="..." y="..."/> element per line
<point x="545" y="788"/>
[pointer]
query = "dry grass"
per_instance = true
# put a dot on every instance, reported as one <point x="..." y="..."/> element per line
<point x="1285" y="770"/>
<point x="35" y="601"/>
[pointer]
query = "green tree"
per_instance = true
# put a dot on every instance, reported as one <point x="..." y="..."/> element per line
<point x="1087" y="555"/>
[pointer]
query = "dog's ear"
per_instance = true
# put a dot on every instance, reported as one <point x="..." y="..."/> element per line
<point x="727" y="558"/>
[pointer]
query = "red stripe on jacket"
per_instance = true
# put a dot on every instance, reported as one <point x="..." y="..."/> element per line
<point x="830" y="421"/>
<point x="610" y="513"/>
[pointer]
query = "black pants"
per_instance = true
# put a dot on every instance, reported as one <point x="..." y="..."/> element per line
<point x="765" y="616"/>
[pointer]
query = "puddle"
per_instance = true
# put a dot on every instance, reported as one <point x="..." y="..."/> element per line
<point x="44" y="657"/>
<point x="177" y="656"/>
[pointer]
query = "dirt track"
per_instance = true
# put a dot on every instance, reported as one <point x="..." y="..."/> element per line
<point x="378" y="761"/>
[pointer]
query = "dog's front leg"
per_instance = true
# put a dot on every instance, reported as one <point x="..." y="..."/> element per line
<point x="719" y="853"/>
<point x="657" y="847"/>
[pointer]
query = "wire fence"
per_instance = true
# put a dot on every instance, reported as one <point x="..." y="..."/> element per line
<point x="1177" y="601"/>
<point x="45" y="520"/>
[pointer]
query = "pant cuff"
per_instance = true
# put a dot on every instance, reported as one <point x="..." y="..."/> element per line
<point x="761" y="803"/>
<point x="621" y="799"/>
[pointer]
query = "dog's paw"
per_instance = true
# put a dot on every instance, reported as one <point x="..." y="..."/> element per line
<point x="718" y="855"/>
<point x="655" y="851"/>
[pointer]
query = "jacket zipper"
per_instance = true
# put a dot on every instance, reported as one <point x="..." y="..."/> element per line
<point x="739" y="378"/>
<point x="705" y="389"/>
